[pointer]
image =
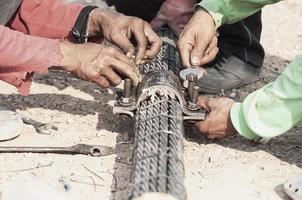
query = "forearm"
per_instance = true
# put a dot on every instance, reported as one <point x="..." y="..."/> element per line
<point x="21" y="54"/>
<point x="231" y="11"/>
<point x="273" y="109"/>
<point x="46" y="18"/>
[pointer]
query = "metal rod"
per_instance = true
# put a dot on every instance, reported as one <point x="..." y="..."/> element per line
<point x="194" y="97"/>
<point x="127" y="88"/>
<point x="191" y="78"/>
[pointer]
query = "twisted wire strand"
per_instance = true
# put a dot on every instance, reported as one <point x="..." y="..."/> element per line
<point x="157" y="157"/>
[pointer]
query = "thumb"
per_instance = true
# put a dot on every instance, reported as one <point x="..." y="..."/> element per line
<point x="159" y="21"/>
<point x="197" y="52"/>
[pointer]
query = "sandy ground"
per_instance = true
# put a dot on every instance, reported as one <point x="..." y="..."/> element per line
<point x="230" y="169"/>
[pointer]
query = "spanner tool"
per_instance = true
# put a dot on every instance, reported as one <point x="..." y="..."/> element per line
<point x="92" y="150"/>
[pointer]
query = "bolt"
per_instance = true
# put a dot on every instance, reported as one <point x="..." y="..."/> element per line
<point x="126" y="98"/>
<point x="127" y="88"/>
<point x="195" y="93"/>
<point x="192" y="104"/>
<point x="191" y="78"/>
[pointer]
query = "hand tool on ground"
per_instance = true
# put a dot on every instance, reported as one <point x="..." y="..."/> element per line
<point x="43" y="128"/>
<point x="92" y="150"/>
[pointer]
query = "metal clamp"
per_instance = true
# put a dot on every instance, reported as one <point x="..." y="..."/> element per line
<point x="164" y="83"/>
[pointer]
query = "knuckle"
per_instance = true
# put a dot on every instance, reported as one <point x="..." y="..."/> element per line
<point x="140" y="21"/>
<point x="111" y="51"/>
<point x="94" y="75"/>
<point x="105" y="59"/>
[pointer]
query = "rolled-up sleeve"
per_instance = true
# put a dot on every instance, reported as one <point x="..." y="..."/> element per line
<point x="231" y="11"/>
<point x="21" y="55"/>
<point x="33" y="45"/>
<point x="273" y="109"/>
<point x="46" y="18"/>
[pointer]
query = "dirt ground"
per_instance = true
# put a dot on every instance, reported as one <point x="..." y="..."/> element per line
<point x="230" y="169"/>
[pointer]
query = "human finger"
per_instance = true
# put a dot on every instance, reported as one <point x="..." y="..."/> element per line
<point x="124" y="43"/>
<point x="125" y="69"/>
<point x="203" y="102"/>
<point x="154" y="42"/>
<point x="127" y="60"/>
<point x="111" y="76"/>
<point x="208" y="57"/>
<point x="101" y="81"/>
<point x="141" y="40"/>
<point x="185" y="47"/>
<point x="212" y="44"/>
<point x="200" y="45"/>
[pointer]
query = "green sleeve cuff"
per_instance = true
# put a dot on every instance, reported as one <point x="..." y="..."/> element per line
<point x="215" y="9"/>
<point x="239" y="123"/>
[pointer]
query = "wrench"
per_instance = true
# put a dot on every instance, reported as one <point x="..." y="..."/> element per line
<point x="92" y="150"/>
<point x="43" y="128"/>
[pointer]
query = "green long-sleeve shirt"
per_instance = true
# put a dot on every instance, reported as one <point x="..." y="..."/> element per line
<point x="275" y="108"/>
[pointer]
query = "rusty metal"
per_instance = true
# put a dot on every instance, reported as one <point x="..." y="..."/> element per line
<point x="192" y="103"/>
<point x="191" y="78"/>
<point x="91" y="150"/>
<point x="160" y="105"/>
<point x="165" y="82"/>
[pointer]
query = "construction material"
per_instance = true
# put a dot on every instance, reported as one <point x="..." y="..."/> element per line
<point x="159" y="105"/>
<point x="157" y="158"/>
<point x="84" y="149"/>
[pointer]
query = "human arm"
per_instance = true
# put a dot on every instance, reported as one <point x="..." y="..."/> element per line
<point x="231" y="11"/>
<point x="46" y="18"/>
<point x="21" y="55"/>
<point x="273" y="109"/>
<point x="265" y="113"/>
<point x="55" y="19"/>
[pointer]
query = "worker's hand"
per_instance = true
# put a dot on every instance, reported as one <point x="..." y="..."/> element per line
<point x="120" y="29"/>
<point x="97" y="63"/>
<point x="175" y="13"/>
<point x="198" y="42"/>
<point x="218" y="122"/>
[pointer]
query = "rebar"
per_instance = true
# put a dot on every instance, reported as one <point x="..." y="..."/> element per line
<point x="157" y="157"/>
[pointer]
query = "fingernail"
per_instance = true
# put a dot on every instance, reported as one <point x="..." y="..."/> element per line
<point x="195" y="60"/>
<point x="138" y="61"/>
<point x="129" y="54"/>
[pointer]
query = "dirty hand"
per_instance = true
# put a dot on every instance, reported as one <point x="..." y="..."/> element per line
<point x="175" y="13"/>
<point x="120" y="29"/>
<point x="218" y="122"/>
<point x="198" y="42"/>
<point x="97" y="63"/>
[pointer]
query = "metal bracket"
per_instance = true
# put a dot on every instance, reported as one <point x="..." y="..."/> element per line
<point x="158" y="82"/>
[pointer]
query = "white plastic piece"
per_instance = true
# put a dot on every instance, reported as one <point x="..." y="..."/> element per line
<point x="192" y="70"/>
<point x="11" y="125"/>
<point x="293" y="187"/>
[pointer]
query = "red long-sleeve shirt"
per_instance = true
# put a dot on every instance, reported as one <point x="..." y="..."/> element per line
<point x="31" y="44"/>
